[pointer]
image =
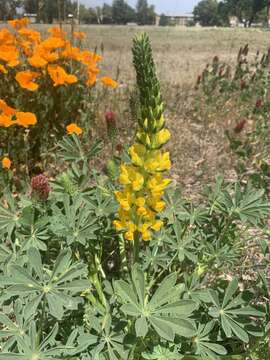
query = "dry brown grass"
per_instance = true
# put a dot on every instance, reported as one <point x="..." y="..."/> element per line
<point x="198" y="146"/>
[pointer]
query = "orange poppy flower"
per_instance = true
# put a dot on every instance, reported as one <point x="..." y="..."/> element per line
<point x="79" y="35"/>
<point x="6" y="163"/>
<point x="53" y="43"/>
<point x="19" y="23"/>
<point x="109" y="82"/>
<point x="71" y="52"/>
<point x="25" y="79"/>
<point x="25" y="119"/>
<point x="59" y="76"/>
<point x="56" y="32"/>
<point x="5" y="109"/>
<point x="31" y="35"/>
<point x="73" y="129"/>
<point x="89" y="58"/>
<point x="9" y="54"/>
<point x="92" y="79"/>
<point x="37" y="61"/>
<point x="5" y="121"/>
<point x="6" y="37"/>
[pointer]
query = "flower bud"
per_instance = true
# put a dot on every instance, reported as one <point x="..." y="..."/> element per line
<point x="40" y="186"/>
<point x="111" y="124"/>
<point x="240" y="126"/>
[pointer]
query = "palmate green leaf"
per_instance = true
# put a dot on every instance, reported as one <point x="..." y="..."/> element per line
<point x="108" y="338"/>
<point x="234" y="313"/>
<point x="204" y="345"/>
<point x="174" y="205"/>
<point x="246" y="205"/>
<point x="71" y="149"/>
<point x="162" y="353"/>
<point x="34" y="234"/>
<point x="75" y="222"/>
<point x="18" y="326"/>
<point x="56" y="288"/>
<point x="29" y="347"/>
<point x="164" y="311"/>
<point x="141" y="326"/>
<point x="9" y="214"/>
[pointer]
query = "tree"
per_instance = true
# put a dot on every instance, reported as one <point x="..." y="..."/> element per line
<point x="8" y="8"/>
<point x="30" y="6"/>
<point x="122" y="13"/>
<point x="88" y="15"/>
<point x="246" y="10"/>
<point x="163" y="21"/>
<point x="206" y="13"/>
<point x="145" y="15"/>
<point x="107" y="17"/>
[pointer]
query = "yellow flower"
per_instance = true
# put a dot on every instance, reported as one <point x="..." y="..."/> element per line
<point x="156" y="204"/>
<point x="137" y="153"/>
<point x="159" y="162"/>
<point x="129" y="175"/>
<point x="161" y="138"/>
<point x="141" y="211"/>
<point x="124" y="199"/>
<point x="140" y="201"/>
<point x="109" y="82"/>
<point x="129" y="236"/>
<point x="146" y="235"/>
<point x="6" y="163"/>
<point x="157" y="184"/>
<point x="73" y="129"/>
<point x="157" y="225"/>
<point x="26" y="79"/>
<point x="3" y="70"/>
<point x="119" y="225"/>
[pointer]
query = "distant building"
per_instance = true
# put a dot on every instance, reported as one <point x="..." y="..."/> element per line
<point x="32" y="18"/>
<point x="234" y="21"/>
<point x="177" y="20"/>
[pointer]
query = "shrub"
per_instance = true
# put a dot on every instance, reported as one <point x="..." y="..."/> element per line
<point x="46" y="84"/>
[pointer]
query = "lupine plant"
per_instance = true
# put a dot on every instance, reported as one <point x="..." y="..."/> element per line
<point x="96" y="269"/>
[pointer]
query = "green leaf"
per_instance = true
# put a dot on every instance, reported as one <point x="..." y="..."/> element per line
<point x="141" y="327"/>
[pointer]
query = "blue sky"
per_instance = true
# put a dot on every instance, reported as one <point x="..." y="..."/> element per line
<point x="162" y="6"/>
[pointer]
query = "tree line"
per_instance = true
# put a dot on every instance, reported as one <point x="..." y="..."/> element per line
<point x="120" y="12"/>
<point x="218" y="13"/>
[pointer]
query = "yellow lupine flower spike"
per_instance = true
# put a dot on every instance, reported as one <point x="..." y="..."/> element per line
<point x="143" y="185"/>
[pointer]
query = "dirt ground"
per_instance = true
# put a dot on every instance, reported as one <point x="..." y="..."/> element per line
<point x="199" y="149"/>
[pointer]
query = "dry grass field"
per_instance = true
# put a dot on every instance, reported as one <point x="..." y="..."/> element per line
<point x="199" y="148"/>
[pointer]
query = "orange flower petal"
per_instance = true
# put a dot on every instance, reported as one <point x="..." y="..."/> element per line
<point x="6" y="163"/>
<point x="107" y="81"/>
<point x="73" y="129"/>
<point x="25" y="119"/>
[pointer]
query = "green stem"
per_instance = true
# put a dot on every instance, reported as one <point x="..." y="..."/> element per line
<point x="122" y="250"/>
<point x="42" y="321"/>
<point x="136" y="244"/>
